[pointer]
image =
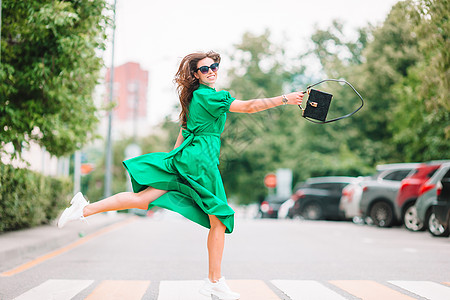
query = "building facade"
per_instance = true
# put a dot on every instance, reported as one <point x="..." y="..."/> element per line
<point x="130" y="99"/>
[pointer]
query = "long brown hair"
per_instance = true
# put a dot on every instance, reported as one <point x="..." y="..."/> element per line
<point x="186" y="81"/>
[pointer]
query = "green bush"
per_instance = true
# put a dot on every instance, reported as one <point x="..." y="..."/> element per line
<point x="29" y="199"/>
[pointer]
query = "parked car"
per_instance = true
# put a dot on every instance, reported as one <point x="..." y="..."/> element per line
<point x="351" y="196"/>
<point x="428" y="198"/>
<point x="318" y="198"/>
<point x="377" y="194"/>
<point x="270" y="206"/>
<point x="442" y="208"/>
<point x="408" y="193"/>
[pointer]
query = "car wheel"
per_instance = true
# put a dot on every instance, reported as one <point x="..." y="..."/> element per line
<point x="411" y="220"/>
<point x="312" y="211"/>
<point x="436" y="228"/>
<point x="381" y="214"/>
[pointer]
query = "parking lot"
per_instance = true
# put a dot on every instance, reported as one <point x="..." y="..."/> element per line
<point x="415" y="196"/>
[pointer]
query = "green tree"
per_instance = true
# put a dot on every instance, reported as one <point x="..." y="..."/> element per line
<point x="421" y="121"/>
<point x="49" y="69"/>
<point x="375" y="64"/>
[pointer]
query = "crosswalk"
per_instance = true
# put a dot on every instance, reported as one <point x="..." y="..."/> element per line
<point x="58" y="289"/>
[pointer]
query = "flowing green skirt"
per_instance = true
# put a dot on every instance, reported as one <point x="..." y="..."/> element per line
<point x="195" y="190"/>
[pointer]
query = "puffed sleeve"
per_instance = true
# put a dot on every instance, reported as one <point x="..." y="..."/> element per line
<point x="215" y="103"/>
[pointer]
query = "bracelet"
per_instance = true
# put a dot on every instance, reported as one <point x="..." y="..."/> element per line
<point x="284" y="99"/>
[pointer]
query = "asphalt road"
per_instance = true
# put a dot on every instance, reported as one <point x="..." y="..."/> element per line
<point x="155" y="254"/>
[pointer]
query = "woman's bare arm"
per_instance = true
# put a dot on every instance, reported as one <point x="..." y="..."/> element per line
<point x="180" y="139"/>
<point x="256" y="105"/>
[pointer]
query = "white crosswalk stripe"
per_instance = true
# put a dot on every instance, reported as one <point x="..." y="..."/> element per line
<point x="56" y="289"/>
<point x="306" y="290"/>
<point x="249" y="289"/>
<point x="426" y="289"/>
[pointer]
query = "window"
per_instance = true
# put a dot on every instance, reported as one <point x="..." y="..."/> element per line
<point x="447" y="175"/>
<point x="326" y="186"/>
<point x="431" y="173"/>
<point x="398" y="175"/>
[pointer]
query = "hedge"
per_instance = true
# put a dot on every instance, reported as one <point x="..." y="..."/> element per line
<point x="29" y="199"/>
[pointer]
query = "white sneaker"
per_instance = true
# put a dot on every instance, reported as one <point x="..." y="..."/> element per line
<point x="74" y="211"/>
<point x="219" y="289"/>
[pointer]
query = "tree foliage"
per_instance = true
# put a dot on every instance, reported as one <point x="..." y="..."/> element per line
<point x="421" y="121"/>
<point x="48" y="72"/>
<point x="403" y="75"/>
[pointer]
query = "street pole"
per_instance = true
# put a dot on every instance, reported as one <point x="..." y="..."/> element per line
<point x="108" y="164"/>
<point x="77" y="172"/>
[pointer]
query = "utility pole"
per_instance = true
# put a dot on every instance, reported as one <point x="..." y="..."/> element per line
<point x="108" y="164"/>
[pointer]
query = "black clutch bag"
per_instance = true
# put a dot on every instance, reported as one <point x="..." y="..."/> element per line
<point x="318" y="104"/>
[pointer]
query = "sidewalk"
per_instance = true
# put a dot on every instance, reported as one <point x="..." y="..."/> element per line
<point x="20" y="246"/>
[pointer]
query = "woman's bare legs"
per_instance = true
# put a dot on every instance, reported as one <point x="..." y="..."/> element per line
<point x="216" y="242"/>
<point x="125" y="200"/>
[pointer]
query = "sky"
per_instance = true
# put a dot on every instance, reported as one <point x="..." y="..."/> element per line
<point x="158" y="34"/>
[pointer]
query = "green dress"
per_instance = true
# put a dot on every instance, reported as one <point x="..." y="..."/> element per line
<point x="190" y="172"/>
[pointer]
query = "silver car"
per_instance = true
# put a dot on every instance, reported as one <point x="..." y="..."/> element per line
<point x="427" y="198"/>
<point x="374" y="197"/>
<point x="379" y="194"/>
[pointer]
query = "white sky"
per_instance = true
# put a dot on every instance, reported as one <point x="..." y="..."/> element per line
<point x="157" y="34"/>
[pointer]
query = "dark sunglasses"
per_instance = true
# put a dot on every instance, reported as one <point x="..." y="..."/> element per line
<point x="205" y="69"/>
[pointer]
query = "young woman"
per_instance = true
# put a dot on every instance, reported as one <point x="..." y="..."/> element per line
<point x="187" y="179"/>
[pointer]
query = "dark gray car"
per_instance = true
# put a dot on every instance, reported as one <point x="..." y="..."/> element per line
<point x="319" y="197"/>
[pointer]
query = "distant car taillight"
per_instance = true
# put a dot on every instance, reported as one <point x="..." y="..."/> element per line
<point x="265" y="207"/>
<point x="425" y="188"/>
<point x="438" y="189"/>
<point x="348" y="193"/>
<point x="365" y="188"/>
<point x="405" y="184"/>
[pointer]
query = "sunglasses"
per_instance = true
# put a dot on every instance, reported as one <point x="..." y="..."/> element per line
<point x="205" y="69"/>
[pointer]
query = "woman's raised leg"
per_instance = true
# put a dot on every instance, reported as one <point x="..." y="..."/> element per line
<point x="80" y="208"/>
<point x="125" y="200"/>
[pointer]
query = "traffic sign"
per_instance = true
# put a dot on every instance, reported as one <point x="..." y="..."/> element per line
<point x="270" y="180"/>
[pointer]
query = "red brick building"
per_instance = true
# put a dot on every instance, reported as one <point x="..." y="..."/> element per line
<point x="130" y="96"/>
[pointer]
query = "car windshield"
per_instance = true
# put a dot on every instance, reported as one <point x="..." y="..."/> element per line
<point x="398" y="175"/>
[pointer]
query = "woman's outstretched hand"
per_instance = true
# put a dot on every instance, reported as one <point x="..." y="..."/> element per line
<point x="295" y="98"/>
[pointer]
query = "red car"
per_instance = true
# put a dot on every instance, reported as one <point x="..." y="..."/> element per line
<point x="408" y="193"/>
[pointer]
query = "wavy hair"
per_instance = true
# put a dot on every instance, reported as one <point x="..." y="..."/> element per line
<point x="186" y="81"/>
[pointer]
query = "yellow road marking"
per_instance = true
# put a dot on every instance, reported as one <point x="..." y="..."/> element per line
<point x="119" y="289"/>
<point x="369" y="290"/>
<point x="64" y="249"/>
